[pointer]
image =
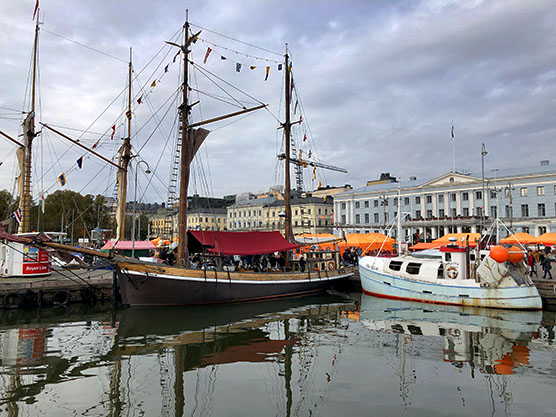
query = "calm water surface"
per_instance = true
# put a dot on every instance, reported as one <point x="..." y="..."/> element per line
<point x="330" y="355"/>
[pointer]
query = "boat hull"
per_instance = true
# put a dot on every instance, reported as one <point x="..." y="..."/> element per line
<point x="387" y="286"/>
<point x="148" y="289"/>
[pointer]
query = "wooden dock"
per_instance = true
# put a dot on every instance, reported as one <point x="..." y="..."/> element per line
<point x="63" y="286"/>
<point x="547" y="290"/>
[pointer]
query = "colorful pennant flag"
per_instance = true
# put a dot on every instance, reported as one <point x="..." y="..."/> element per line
<point x="95" y="144"/>
<point x="175" y="56"/>
<point x="252" y="67"/>
<point x="62" y="179"/>
<point x="128" y="114"/>
<point x="452" y="131"/>
<point x="238" y="67"/>
<point x="153" y="83"/>
<point x="209" y="50"/>
<point x="309" y="154"/>
<point x="279" y="67"/>
<point x="222" y="57"/>
<point x="295" y="107"/>
<point x="17" y="214"/>
<point x="35" y="12"/>
<point x="166" y="68"/>
<point x="305" y="137"/>
<point x="139" y="100"/>
<point x="267" y="72"/>
<point x="80" y="162"/>
<point x="42" y="203"/>
<point x="320" y="186"/>
<point x="314" y="173"/>
<point x="111" y="136"/>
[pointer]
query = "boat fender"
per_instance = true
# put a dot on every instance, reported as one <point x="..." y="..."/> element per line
<point x="12" y="300"/>
<point x="452" y="272"/>
<point x="86" y="293"/>
<point x="61" y="298"/>
<point x="330" y="265"/>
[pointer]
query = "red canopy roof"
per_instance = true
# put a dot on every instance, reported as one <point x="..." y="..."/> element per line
<point x="242" y="243"/>
<point x="128" y="245"/>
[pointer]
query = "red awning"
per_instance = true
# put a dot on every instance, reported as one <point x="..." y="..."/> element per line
<point x="128" y="245"/>
<point x="242" y="243"/>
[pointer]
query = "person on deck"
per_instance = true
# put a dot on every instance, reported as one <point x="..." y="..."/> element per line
<point x="546" y="266"/>
<point x="302" y="263"/>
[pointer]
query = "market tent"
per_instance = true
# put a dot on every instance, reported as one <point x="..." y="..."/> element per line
<point x="517" y="238"/>
<point x="238" y="243"/>
<point x="426" y="245"/>
<point x="367" y="242"/>
<point x="325" y="241"/>
<point x="546" y="239"/>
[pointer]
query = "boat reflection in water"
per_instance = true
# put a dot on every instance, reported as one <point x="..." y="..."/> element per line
<point x="494" y="341"/>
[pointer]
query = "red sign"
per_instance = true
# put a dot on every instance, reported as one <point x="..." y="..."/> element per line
<point x="35" y="268"/>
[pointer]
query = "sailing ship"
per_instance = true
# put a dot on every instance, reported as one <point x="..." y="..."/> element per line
<point x="454" y="275"/>
<point x="147" y="283"/>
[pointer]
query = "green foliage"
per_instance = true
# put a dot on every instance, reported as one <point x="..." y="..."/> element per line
<point x="7" y="204"/>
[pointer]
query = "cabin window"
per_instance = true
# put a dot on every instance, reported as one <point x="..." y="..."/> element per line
<point x="440" y="274"/>
<point x="447" y="257"/>
<point x="414" y="329"/>
<point x="413" y="268"/>
<point x="395" y="265"/>
<point x="471" y="256"/>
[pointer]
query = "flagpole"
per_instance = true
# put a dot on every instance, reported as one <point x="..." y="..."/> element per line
<point x="453" y="150"/>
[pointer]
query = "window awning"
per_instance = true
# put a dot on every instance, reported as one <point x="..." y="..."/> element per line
<point x="239" y="243"/>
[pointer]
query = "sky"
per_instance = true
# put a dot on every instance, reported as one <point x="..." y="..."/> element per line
<point x="379" y="84"/>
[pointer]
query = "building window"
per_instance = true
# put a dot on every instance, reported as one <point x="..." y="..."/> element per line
<point x="296" y="212"/>
<point x="395" y="201"/>
<point x="385" y="217"/>
<point x="542" y="230"/>
<point x="525" y="229"/>
<point x="308" y="211"/>
<point x="507" y="192"/>
<point x="454" y="212"/>
<point x="429" y="214"/>
<point x="406" y="199"/>
<point x="523" y="191"/>
<point x="319" y="211"/>
<point x="478" y="195"/>
<point x="465" y="196"/>
<point x="492" y="193"/>
<point x="508" y="211"/>
<point x="453" y="196"/>
<point x="343" y="206"/>
<point x="295" y="223"/>
<point x="343" y="219"/>
<point x="417" y="214"/>
<point x="525" y="210"/>
<point x="366" y="204"/>
<point x="418" y="200"/>
<point x="479" y="211"/>
<point x="429" y="199"/>
<point x="540" y="190"/>
<point x="376" y="203"/>
<point x="376" y="218"/>
<point x="440" y="198"/>
<point x="357" y="204"/>
<point x="441" y="213"/>
<point x="494" y="211"/>
<point x="357" y="219"/>
<point x="541" y="210"/>
<point x="466" y="211"/>
<point x="384" y="202"/>
<point x="366" y="218"/>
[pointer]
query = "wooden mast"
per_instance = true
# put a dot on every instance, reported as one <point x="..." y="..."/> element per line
<point x="28" y="136"/>
<point x="125" y="157"/>
<point x="183" y="255"/>
<point x="288" y="232"/>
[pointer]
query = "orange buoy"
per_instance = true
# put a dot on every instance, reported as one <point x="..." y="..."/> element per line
<point x="499" y="254"/>
<point x="516" y="255"/>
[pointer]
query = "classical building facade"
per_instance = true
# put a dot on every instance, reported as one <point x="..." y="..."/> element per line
<point x="524" y="199"/>
<point x="309" y="214"/>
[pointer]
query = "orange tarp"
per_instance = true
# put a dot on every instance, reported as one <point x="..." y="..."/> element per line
<point x="545" y="239"/>
<point x="367" y="241"/>
<point x="523" y="238"/>
<point x="426" y="245"/>
<point x="461" y="237"/>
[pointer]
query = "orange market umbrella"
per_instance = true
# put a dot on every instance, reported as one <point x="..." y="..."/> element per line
<point x="367" y="241"/>
<point x="546" y="239"/>
<point x="517" y="238"/>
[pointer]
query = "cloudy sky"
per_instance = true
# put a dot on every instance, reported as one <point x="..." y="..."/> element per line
<point x="380" y="83"/>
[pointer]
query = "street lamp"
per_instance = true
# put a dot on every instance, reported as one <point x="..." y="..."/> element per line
<point x="147" y="171"/>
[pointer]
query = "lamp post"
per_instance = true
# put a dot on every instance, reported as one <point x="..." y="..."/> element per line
<point x="147" y="171"/>
<point x="510" y="188"/>
<point x="483" y="154"/>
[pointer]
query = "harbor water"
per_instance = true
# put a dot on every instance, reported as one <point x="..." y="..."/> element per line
<point x="334" y="354"/>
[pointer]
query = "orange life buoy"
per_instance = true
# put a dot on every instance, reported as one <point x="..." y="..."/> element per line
<point x="452" y="272"/>
<point x="331" y="265"/>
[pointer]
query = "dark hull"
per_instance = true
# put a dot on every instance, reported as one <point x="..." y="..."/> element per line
<point x="138" y="289"/>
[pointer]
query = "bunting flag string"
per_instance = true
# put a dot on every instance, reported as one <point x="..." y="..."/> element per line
<point x="220" y="47"/>
<point x="62" y="179"/>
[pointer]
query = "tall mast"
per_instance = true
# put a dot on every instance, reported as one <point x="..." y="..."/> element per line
<point x="288" y="232"/>
<point x="183" y="254"/>
<point x="123" y="162"/>
<point x="28" y="136"/>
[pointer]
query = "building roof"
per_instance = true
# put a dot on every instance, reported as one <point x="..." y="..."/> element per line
<point x="253" y="202"/>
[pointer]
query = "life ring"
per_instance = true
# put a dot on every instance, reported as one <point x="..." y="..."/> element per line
<point x="452" y="272"/>
<point x="61" y="298"/>
<point x="331" y="265"/>
<point x="12" y="300"/>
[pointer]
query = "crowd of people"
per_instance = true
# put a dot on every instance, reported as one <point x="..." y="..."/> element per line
<point x="542" y="258"/>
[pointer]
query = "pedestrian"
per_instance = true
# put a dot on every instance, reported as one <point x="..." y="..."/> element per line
<point x="531" y="262"/>
<point x="302" y="263"/>
<point x="546" y="266"/>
